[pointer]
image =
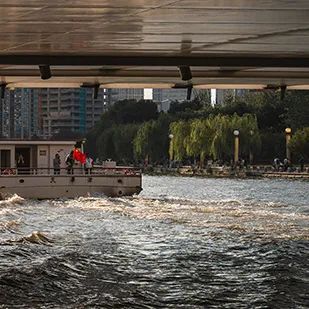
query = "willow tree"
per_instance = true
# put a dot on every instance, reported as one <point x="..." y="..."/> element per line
<point x="142" y="140"/>
<point x="200" y="138"/>
<point x="299" y="143"/>
<point x="180" y="131"/>
<point x="223" y="142"/>
<point x="250" y="140"/>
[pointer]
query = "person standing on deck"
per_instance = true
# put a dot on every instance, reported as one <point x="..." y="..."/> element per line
<point x="56" y="164"/>
<point x="69" y="160"/>
<point x="88" y="164"/>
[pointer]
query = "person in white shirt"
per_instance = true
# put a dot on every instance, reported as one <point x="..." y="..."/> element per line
<point x="88" y="164"/>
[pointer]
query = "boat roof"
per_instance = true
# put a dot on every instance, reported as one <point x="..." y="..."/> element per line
<point x="36" y="142"/>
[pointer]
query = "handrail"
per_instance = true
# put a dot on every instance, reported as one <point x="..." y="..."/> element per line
<point x="43" y="171"/>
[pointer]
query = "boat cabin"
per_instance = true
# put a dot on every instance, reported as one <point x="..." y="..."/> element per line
<point x="23" y="156"/>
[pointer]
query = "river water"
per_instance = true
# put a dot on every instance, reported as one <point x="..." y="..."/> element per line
<point x="182" y="243"/>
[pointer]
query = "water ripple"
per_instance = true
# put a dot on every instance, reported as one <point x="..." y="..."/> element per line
<point x="184" y="243"/>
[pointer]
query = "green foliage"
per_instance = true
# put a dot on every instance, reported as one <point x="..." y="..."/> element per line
<point x="180" y="131"/>
<point x="214" y="137"/>
<point x="128" y="111"/>
<point x="223" y="140"/>
<point x="105" y="144"/>
<point x="142" y="141"/>
<point x="200" y="138"/>
<point x="203" y="96"/>
<point x="297" y="109"/>
<point x="123" y="142"/>
<point x="272" y="146"/>
<point x="177" y="107"/>
<point x="100" y="140"/>
<point x="132" y="130"/>
<point x="117" y="143"/>
<point x="299" y="143"/>
<point x="151" y="140"/>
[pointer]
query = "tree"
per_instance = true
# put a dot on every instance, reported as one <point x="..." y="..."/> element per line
<point x="177" y="107"/>
<point x="299" y="143"/>
<point x="123" y="142"/>
<point x="200" y="138"/>
<point x="121" y="113"/>
<point x="180" y="131"/>
<point x="105" y="144"/>
<point x="223" y="141"/>
<point x="203" y="96"/>
<point x="160" y="138"/>
<point x="297" y="109"/>
<point x="152" y="140"/>
<point x="199" y="129"/>
<point x="142" y="140"/>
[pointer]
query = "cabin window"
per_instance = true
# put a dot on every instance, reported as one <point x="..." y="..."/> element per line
<point x="5" y="158"/>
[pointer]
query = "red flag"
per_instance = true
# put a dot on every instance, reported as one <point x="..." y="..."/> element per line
<point x="79" y="156"/>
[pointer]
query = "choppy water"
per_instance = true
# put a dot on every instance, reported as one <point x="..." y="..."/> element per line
<point x="183" y="243"/>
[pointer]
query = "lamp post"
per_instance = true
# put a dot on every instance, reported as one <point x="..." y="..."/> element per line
<point x="236" y="146"/>
<point x="171" y="149"/>
<point x="250" y="151"/>
<point x="82" y="145"/>
<point x="288" y="133"/>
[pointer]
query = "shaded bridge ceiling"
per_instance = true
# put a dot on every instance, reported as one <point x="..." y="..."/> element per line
<point x="142" y="43"/>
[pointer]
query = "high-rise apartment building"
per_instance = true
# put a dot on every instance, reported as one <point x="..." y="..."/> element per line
<point x="160" y="95"/>
<point x="70" y="110"/>
<point x="45" y="112"/>
<point x="19" y="113"/>
<point x="223" y="94"/>
<point x="115" y="95"/>
<point x="28" y="113"/>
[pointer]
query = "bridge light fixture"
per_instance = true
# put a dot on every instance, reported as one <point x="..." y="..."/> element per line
<point x="2" y="90"/>
<point x="95" y="88"/>
<point x="96" y="91"/>
<point x="282" y="92"/>
<point x="185" y="72"/>
<point x="45" y="71"/>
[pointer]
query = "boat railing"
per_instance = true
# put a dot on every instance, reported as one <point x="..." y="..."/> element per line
<point x="109" y="171"/>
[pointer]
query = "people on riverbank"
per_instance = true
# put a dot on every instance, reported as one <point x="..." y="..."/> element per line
<point x="276" y="164"/>
<point x="301" y="162"/>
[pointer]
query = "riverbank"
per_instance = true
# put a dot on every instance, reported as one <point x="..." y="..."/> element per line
<point x="225" y="172"/>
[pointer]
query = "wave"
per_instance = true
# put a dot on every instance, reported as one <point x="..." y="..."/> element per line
<point x="12" y="200"/>
<point x="36" y="237"/>
<point x="258" y="219"/>
<point x="11" y="225"/>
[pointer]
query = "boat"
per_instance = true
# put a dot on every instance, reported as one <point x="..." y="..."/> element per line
<point x="26" y="169"/>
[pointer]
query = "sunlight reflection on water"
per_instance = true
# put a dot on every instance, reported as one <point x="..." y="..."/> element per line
<point x="184" y="242"/>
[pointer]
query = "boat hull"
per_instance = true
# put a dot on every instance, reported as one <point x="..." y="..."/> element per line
<point x="69" y="186"/>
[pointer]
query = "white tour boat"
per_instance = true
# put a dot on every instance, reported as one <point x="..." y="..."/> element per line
<point x="27" y="169"/>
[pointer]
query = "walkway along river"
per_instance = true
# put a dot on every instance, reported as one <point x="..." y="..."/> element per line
<point x="183" y="243"/>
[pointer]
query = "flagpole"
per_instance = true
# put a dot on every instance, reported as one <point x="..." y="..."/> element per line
<point x="82" y="150"/>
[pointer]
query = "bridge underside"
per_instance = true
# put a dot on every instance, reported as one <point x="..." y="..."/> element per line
<point x="142" y="43"/>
